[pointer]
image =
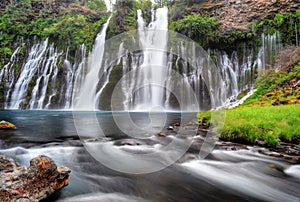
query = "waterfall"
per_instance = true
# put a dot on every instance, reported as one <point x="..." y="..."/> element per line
<point x="270" y="47"/>
<point x="153" y="70"/>
<point x="35" y="58"/>
<point x="48" y="79"/>
<point x="71" y="76"/>
<point x="109" y="4"/>
<point x="39" y="82"/>
<point x="53" y="89"/>
<point x="46" y="69"/>
<point x="86" y="93"/>
<point x="7" y="75"/>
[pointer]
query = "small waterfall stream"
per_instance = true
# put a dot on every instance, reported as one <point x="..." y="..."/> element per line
<point x="86" y="96"/>
<point x="7" y="76"/>
<point x="35" y="59"/>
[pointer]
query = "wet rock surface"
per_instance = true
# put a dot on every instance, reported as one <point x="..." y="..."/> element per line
<point x="34" y="183"/>
<point x="4" y="125"/>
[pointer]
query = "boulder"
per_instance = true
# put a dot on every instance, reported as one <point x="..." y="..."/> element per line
<point x="41" y="179"/>
<point x="6" y="125"/>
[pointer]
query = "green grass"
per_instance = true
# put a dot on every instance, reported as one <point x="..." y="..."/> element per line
<point x="272" y="123"/>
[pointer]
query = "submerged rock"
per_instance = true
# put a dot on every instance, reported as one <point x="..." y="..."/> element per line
<point x="6" y="125"/>
<point x="41" y="179"/>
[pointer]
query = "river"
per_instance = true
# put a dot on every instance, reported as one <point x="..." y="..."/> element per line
<point x="242" y="175"/>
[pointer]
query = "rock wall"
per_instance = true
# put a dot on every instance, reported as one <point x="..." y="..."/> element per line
<point x="238" y="14"/>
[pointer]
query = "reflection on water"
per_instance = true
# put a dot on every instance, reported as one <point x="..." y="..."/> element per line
<point x="243" y="175"/>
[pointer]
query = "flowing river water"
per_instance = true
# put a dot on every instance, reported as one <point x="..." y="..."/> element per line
<point x="242" y="175"/>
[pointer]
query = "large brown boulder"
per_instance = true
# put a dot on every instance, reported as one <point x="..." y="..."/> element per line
<point x="41" y="179"/>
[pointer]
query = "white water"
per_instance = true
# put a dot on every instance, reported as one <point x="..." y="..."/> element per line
<point x="153" y="70"/>
<point x="36" y="86"/>
<point x="109" y="4"/>
<point x="46" y="69"/>
<point x="34" y="60"/>
<point x="71" y="76"/>
<point x="7" y="75"/>
<point x="245" y="171"/>
<point x="85" y="98"/>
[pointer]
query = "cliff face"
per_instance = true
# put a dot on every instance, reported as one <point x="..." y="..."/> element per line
<point x="238" y="14"/>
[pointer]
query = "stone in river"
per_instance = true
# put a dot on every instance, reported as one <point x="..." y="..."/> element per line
<point x="41" y="179"/>
<point x="161" y="134"/>
<point x="6" y="125"/>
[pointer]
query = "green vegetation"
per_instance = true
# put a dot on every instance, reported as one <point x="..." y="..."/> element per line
<point x="273" y="88"/>
<point x="287" y="24"/>
<point x="202" y="29"/>
<point x="67" y="24"/>
<point x="125" y="15"/>
<point x="272" y="123"/>
<point x="75" y="29"/>
<point x="207" y="31"/>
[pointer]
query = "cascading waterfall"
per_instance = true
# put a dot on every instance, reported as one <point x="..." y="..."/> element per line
<point x="40" y="80"/>
<point x="270" y="47"/>
<point x="34" y="60"/>
<point x="152" y="72"/>
<point x="7" y="75"/>
<point x="48" y="79"/>
<point x="85" y="97"/>
<point x="53" y="89"/>
<point x="46" y="69"/>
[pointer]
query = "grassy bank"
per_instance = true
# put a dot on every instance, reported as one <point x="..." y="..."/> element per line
<point x="271" y="123"/>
